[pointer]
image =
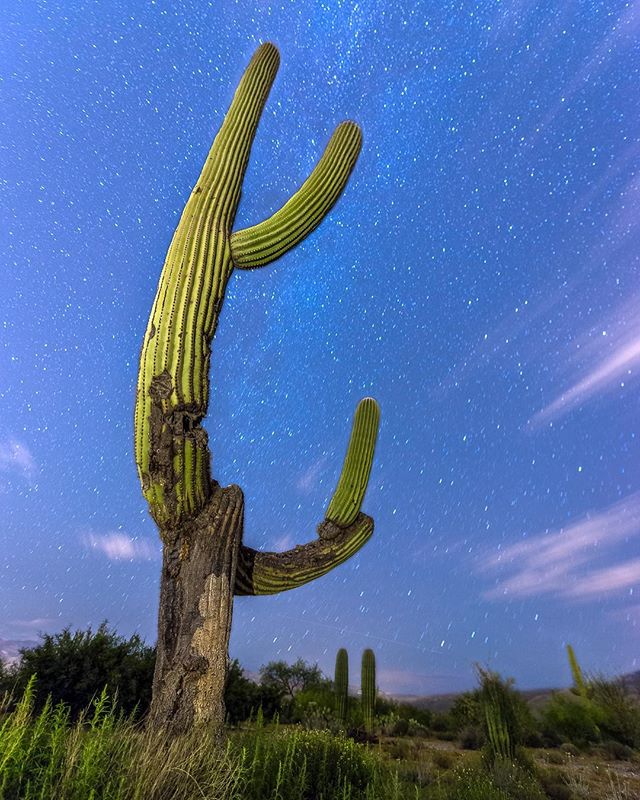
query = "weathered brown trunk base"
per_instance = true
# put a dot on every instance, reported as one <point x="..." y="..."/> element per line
<point x="196" y="604"/>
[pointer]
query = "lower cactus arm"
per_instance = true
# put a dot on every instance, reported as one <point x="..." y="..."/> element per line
<point x="261" y="573"/>
<point x="344" y="531"/>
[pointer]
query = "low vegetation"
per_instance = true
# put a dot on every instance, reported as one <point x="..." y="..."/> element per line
<point x="295" y="735"/>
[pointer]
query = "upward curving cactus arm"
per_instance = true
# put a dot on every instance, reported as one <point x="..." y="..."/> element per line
<point x="172" y="397"/>
<point x="263" y="243"/>
<point x="343" y="532"/>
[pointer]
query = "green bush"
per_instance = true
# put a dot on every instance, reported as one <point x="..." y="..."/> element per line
<point x="314" y="708"/>
<point x="573" y="718"/>
<point x="294" y="764"/>
<point x="618" y="709"/>
<point x="506" y="718"/>
<point x="472" y="738"/>
<point x="243" y="697"/>
<point x="74" y="668"/>
<point x="503" y="782"/>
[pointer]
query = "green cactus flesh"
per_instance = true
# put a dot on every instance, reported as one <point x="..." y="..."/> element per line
<point x="341" y="684"/>
<point x="368" y="688"/>
<point x="579" y="683"/>
<point x="340" y="535"/>
<point x="172" y="395"/>
<point x="352" y="485"/>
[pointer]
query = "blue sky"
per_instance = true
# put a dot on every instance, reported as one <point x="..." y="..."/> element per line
<point x="479" y="277"/>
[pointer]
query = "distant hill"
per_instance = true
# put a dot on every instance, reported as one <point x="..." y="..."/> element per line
<point x="535" y="697"/>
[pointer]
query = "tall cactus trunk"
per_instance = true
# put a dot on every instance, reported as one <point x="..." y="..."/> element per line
<point x="368" y="689"/>
<point x="198" y="575"/>
<point x="205" y="561"/>
<point x="341" y="684"/>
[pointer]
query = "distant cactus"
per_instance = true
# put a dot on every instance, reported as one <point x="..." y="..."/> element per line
<point x="341" y="684"/>
<point x="205" y="561"/>
<point x="368" y="688"/>
<point x="498" y="702"/>
<point x="500" y="743"/>
<point x="580" y="686"/>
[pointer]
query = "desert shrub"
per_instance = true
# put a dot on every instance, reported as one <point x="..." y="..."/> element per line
<point x="506" y="717"/>
<point x="74" y="668"/>
<point x="441" y="723"/>
<point x="418" y="716"/>
<point x="243" y="697"/>
<point x="400" y="727"/>
<point x="314" y="708"/>
<point x="616" y="751"/>
<point x="290" y="679"/>
<point x="392" y="725"/>
<point x="569" y="748"/>
<point x="306" y="765"/>
<point x="503" y="782"/>
<point x="556" y="757"/>
<point x="465" y="712"/>
<point x="554" y="784"/>
<point x="443" y="760"/>
<point x="468" y="714"/>
<point x="417" y="729"/>
<point x="572" y="718"/>
<point x="471" y="738"/>
<point x="619" y="713"/>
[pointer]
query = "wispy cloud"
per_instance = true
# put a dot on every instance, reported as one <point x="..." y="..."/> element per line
<point x="622" y="34"/>
<point x="118" y="546"/>
<point x="567" y="562"/>
<point x="309" y="479"/>
<point x="610" y="356"/>
<point x="16" y="458"/>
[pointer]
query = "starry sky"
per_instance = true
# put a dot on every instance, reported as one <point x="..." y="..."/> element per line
<point x="479" y="277"/>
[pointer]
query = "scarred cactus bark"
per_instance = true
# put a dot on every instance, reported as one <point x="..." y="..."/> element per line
<point x="205" y="562"/>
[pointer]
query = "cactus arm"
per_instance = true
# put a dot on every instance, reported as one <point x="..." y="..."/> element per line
<point x="368" y="688"/>
<point x="260" y="572"/>
<point x="579" y="684"/>
<point x="352" y="485"/>
<point x="341" y="684"/>
<point x="172" y="395"/>
<point x="343" y="532"/>
<point x="304" y="211"/>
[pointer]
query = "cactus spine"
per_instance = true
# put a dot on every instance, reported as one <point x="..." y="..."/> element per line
<point x="341" y="684"/>
<point x="205" y="562"/>
<point x="368" y="688"/>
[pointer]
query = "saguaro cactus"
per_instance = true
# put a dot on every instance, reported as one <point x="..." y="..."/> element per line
<point x="205" y="561"/>
<point x="341" y="684"/>
<point x="579" y="684"/>
<point x="368" y="688"/>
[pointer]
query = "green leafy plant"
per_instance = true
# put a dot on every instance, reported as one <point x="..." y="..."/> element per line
<point x="74" y="667"/>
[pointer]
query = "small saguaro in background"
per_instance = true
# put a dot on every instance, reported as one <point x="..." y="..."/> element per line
<point x="368" y="687"/>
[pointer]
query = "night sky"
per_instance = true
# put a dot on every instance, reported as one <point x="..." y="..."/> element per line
<point x="479" y="277"/>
